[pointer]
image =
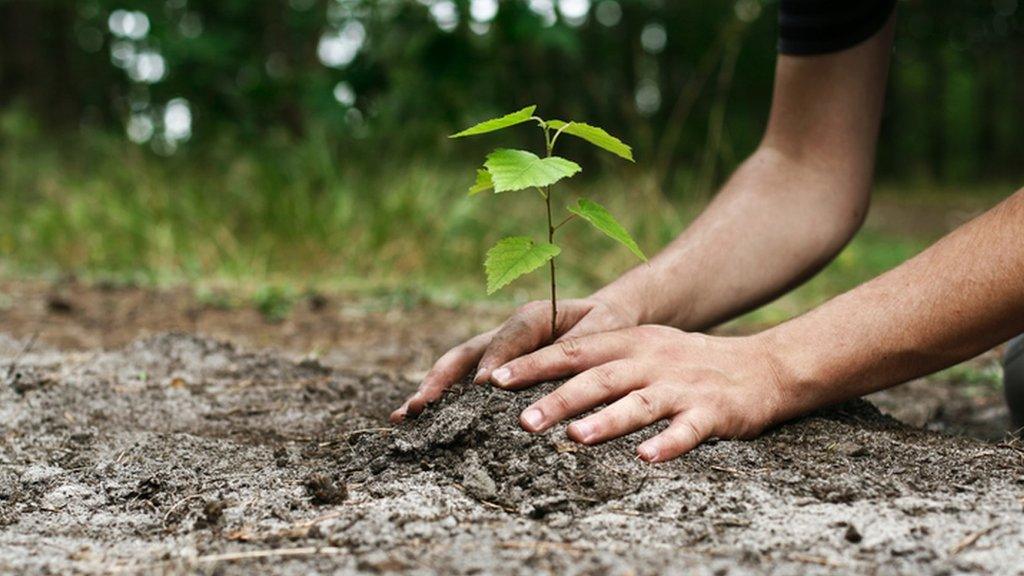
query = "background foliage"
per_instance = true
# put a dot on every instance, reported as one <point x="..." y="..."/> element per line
<point x="199" y="137"/>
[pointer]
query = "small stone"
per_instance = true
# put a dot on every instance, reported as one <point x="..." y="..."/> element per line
<point x="475" y="478"/>
<point x="853" y="536"/>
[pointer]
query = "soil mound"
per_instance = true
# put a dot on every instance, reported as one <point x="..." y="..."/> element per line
<point x="472" y="437"/>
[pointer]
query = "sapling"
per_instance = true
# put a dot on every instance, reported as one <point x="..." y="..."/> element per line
<point x="507" y="170"/>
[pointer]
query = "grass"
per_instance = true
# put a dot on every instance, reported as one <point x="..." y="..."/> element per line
<point x="281" y="219"/>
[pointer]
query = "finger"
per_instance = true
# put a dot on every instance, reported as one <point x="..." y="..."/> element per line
<point x="528" y="329"/>
<point x="685" y="433"/>
<point x="637" y="409"/>
<point x="448" y="369"/>
<point x="564" y="357"/>
<point x="596" y="386"/>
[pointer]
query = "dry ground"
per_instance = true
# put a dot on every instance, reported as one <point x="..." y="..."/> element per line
<point x="128" y="443"/>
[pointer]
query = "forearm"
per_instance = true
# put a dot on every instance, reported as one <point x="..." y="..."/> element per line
<point x="788" y="209"/>
<point x="776" y="222"/>
<point x="957" y="299"/>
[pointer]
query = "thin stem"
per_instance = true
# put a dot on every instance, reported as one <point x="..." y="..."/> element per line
<point x="551" y="238"/>
<point x="567" y="219"/>
<point x="551" y="147"/>
<point x="551" y="265"/>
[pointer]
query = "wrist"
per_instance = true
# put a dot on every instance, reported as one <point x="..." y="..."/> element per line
<point x="797" y="378"/>
<point x="645" y="298"/>
<point x="625" y="303"/>
<point x="627" y="295"/>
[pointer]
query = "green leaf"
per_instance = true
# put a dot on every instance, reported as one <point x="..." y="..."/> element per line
<point x="518" y="169"/>
<point x="483" y="182"/>
<point x="517" y="117"/>
<point x="603" y="220"/>
<point x="514" y="256"/>
<point x="596" y="136"/>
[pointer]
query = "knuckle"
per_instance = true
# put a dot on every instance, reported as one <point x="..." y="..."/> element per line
<point x="603" y="380"/>
<point x="646" y="401"/>
<point x="690" y="432"/>
<point x="570" y="348"/>
<point x="560" y="402"/>
<point x="524" y="365"/>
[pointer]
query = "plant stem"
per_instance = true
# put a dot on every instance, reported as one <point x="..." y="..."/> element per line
<point x="551" y="265"/>
<point x="565" y="221"/>
<point x="550" y="142"/>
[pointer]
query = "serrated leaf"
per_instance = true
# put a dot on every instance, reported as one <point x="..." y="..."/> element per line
<point x="517" y="117"/>
<point x="514" y="256"/>
<point x="518" y="169"/>
<point x="603" y="220"/>
<point x="483" y="182"/>
<point x="596" y="136"/>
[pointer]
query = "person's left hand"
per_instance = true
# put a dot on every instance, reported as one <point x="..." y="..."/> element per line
<point x="706" y="386"/>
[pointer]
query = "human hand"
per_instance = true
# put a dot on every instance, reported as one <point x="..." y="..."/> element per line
<point x="527" y="330"/>
<point x="705" y="386"/>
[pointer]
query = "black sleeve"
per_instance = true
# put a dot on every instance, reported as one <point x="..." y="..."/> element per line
<point x="809" y="27"/>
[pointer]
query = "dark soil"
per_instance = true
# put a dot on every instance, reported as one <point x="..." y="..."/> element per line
<point x="183" y="454"/>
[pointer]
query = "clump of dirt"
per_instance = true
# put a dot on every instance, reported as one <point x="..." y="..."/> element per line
<point x="324" y="490"/>
<point x="182" y="454"/>
<point x="472" y="436"/>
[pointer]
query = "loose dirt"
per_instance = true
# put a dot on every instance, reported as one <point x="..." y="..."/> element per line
<point x="177" y="453"/>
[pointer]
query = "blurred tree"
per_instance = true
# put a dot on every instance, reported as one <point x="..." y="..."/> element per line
<point x="689" y="82"/>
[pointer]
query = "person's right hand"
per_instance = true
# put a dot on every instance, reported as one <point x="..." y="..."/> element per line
<point x="526" y="331"/>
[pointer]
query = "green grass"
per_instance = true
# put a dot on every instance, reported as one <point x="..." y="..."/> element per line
<point x="281" y="219"/>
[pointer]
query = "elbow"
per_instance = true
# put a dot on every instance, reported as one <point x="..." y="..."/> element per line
<point x="839" y="222"/>
<point x="849" y="213"/>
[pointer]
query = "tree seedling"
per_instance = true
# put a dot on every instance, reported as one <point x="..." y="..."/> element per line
<point x="508" y="170"/>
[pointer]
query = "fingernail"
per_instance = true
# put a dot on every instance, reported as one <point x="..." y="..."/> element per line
<point x="481" y="375"/>
<point x="583" y="430"/>
<point x="501" y="376"/>
<point x="533" y="418"/>
<point x="648" y="452"/>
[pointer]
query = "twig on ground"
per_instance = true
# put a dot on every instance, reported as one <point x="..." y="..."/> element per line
<point x="179" y="503"/>
<point x="299" y="529"/>
<point x="971" y="540"/>
<point x="1013" y="445"/>
<point x="13" y="367"/>
<point x="236" y="556"/>
<point x="810" y="559"/>
<point x="732" y="471"/>
<point x="542" y="546"/>
<point x="984" y="454"/>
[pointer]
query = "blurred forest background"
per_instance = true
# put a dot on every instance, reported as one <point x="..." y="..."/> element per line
<point x="304" y="141"/>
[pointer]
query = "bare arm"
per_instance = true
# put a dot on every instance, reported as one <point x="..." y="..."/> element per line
<point x="953" y="301"/>
<point x="788" y="209"/>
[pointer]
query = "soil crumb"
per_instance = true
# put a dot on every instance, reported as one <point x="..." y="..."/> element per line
<point x="178" y="453"/>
